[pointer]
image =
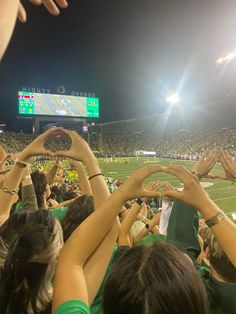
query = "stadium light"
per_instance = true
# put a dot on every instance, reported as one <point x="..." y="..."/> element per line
<point x="228" y="57"/>
<point x="173" y="99"/>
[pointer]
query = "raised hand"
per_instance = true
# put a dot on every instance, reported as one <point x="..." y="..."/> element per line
<point x="153" y="186"/>
<point x="36" y="148"/>
<point x="204" y="165"/>
<point x="192" y="194"/>
<point x="79" y="150"/>
<point x="133" y="187"/>
<point x="228" y="164"/>
<point x="50" y="5"/>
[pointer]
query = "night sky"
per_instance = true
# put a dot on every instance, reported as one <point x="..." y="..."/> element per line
<point x="130" y="53"/>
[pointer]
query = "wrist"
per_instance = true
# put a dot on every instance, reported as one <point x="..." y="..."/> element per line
<point x="24" y="157"/>
<point x="92" y="166"/>
<point x="208" y="209"/>
<point x="197" y="174"/>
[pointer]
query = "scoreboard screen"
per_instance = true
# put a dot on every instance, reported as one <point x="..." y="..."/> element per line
<point x="57" y="105"/>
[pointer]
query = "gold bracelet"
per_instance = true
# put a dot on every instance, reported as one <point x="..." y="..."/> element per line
<point x="8" y="190"/>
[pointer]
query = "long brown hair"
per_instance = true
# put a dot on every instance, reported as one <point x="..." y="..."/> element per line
<point x="77" y="212"/>
<point x="156" y="279"/>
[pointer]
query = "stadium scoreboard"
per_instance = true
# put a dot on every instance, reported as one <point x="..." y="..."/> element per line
<point x="30" y="103"/>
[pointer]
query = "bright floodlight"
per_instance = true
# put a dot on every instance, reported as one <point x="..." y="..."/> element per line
<point x="173" y="99"/>
<point x="228" y="57"/>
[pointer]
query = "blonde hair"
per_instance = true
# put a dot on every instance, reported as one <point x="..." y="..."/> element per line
<point x="30" y="264"/>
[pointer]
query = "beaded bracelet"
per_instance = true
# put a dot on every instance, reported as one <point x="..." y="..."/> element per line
<point x="8" y="190"/>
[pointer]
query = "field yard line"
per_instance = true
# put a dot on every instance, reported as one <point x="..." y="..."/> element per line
<point x="231" y="212"/>
<point x="223" y="198"/>
<point x="226" y="187"/>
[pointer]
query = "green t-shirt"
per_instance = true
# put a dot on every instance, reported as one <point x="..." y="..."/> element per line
<point x="96" y="307"/>
<point x="182" y="229"/>
<point x="73" y="307"/>
<point x="59" y="213"/>
<point x="151" y="239"/>
<point x="221" y="295"/>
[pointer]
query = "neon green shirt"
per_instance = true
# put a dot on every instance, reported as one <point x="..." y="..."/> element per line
<point x="73" y="307"/>
<point x="59" y="213"/>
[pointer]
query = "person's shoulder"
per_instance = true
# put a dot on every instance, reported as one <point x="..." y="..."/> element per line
<point x="73" y="307"/>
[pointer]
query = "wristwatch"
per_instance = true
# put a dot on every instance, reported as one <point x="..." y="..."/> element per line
<point x="215" y="219"/>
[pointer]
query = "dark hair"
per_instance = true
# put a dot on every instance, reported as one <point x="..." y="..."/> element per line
<point x="154" y="279"/>
<point x="77" y="212"/>
<point x="69" y="195"/>
<point x="57" y="193"/>
<point x="40" y="185"/>
<point x="27" y="273"/>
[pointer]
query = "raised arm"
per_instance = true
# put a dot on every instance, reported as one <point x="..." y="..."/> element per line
<point x="150" y="226"/>
<point x="130" y="218"/>
<point x="97" y="264"/>
<point x="8" y="13"/>
<point x="9" y="186"/>
<point x="83" y="179"/>
<point x="70" y="281"/>
<point x="194" y="195"/>
<point x="29" y="200"/>
<point x="204" y="165"/>
<point x="127" y="223"/>
<point x="10" y="9"/>
<point x="50" y="175"/>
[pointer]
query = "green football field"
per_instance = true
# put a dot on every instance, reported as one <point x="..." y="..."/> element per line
<point x="222" y="192"/>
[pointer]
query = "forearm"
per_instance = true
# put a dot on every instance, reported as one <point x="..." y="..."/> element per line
<point x="51" y="174"/>
<point x="12" y="182"/>
<point x="65" y="203"/>
<point x="83" y="179"/>
<point x="8" y="14"/>
<point x="96" y="266"/>
<point x="129" y="219"/>
<point x="98" y="185"/>
<point x="224" y="231"/>
<point x="29" y="199"/>
<point x="145" y="231"/>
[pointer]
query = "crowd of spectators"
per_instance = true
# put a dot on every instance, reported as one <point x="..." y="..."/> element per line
<point x="77" y="249"/>
<point x="140" y="233"/>
<point x="171" y="138"/>
<point x="168" y="135"/>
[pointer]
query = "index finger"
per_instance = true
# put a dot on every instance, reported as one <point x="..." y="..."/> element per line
<point x="181" y="173"/>
<point x="51" y="7"/>
<point x="21" y="13"/>
<point x="147" y="171"/>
